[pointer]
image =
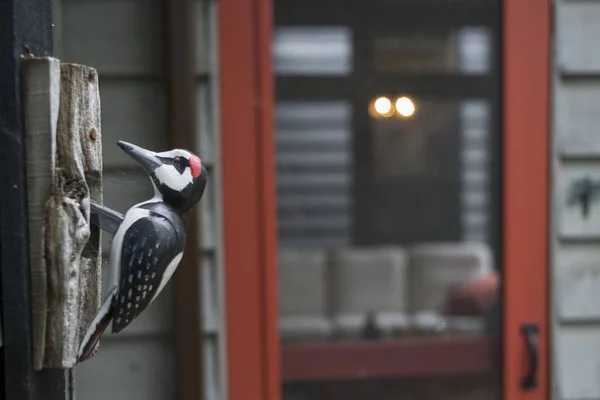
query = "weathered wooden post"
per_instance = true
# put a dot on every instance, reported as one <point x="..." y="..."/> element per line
<point x="64" y="169"/>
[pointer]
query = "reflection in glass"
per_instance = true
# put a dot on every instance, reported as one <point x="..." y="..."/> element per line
<point x="312" y="51"/>
<point x="314" y="173"/>
<point x="465" y="50"/>
<point x="427" y="278"/>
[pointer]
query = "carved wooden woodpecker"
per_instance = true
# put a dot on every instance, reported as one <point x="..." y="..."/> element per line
<point x="149" y="242"/>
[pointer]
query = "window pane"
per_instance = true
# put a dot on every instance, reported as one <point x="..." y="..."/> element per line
<point x="387" y="203"/>
<point x="464" y="50"/>
<point x="314" y="178"/>
<point x="312" y="51"/>
<point x="431" y="171"/>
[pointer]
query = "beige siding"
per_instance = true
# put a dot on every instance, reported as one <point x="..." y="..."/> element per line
<point x="135" y="111"/>
<point x="117" y="37"/>
<point x="214" y="367"/>
<point x="134" y="368"/>
<point x="575" y="285"/>
<point x="123" y="40"/>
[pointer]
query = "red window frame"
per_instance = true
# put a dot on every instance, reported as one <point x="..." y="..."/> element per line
<point x="526" y="150"/>
<point x="249" y="203"/>
<point x="248" y="170"/>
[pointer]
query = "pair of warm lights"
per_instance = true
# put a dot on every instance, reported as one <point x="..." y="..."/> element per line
<point x="404" y="106"/>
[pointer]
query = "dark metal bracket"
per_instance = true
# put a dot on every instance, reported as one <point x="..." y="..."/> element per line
<point x="530" y="333"/>
<point x="583" y="191"/>
<point x="105" y="218"/>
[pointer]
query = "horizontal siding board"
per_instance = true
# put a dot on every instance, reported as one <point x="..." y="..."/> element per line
<point x="578" y="366"/>
<point x="141" y="369"/>
<point x="570" y="221"/>
<point x="134" y="111"/>
<point x="577" y="34"/>
<point x="117" y="37"/>
<point x="577" y="283"/>
<point x="577" y="115"/>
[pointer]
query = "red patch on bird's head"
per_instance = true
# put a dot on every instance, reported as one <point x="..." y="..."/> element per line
<point x="195" y="166"/>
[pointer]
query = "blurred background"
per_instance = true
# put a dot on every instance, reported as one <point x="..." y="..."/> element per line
<point x="386" y="125"/>
<point x="387" y="150"/>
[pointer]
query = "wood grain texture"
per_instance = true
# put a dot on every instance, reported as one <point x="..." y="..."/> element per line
<point x="72" y="245"/>
<point x="41" y="97"/>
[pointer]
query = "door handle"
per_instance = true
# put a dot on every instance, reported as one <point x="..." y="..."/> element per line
<point x="530" y="333"/>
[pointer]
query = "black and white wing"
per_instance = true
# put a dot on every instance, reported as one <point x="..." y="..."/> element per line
<point x="151" y="250"/>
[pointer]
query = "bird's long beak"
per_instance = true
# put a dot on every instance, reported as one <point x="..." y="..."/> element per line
<point x="146" y="158"/>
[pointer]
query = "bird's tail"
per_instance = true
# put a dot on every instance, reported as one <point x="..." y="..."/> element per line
<point x="98" y="326"/>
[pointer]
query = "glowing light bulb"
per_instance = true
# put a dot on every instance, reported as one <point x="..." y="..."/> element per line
<point x="405" y="106"/>
<point x="383" y="106"/>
